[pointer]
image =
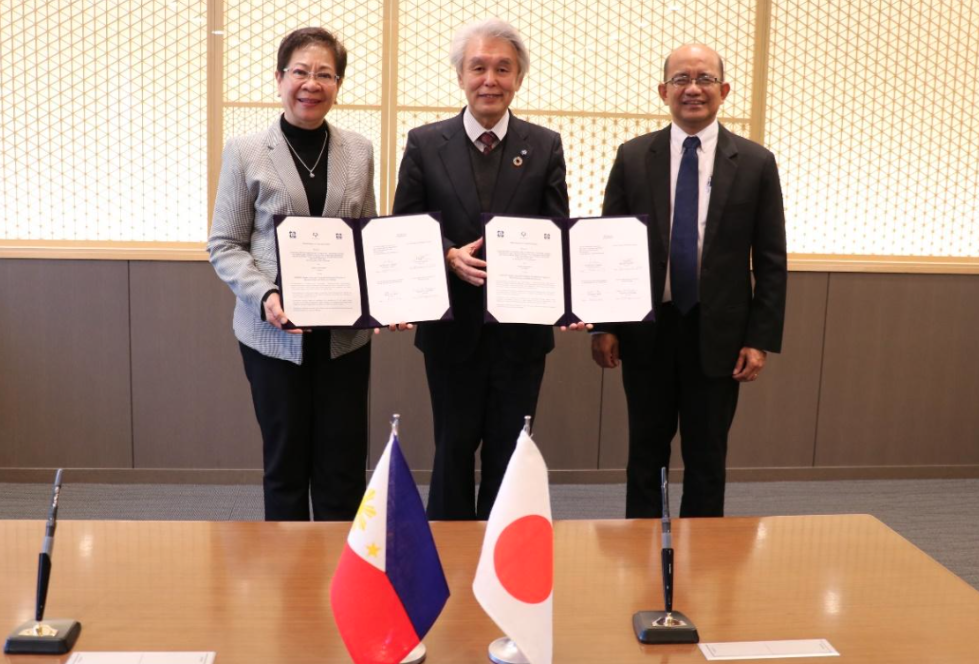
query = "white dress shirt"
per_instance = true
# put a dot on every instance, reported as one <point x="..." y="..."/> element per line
<point x="474" y="130"/>
<point x="705" y="169"/>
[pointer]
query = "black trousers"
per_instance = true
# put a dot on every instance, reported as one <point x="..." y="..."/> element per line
<point x="672" y="389"/>
<point x="483" y="399"/>
<point x="313" y="419"/>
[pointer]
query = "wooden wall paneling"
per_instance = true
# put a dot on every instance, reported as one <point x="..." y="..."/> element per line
<point x="776" y="418"/>
<point x="775" y="425"/>
<point x="192" y="405"/>
<point x="901" y="373"/>
<point x="566" y="427"/>
<point x="398" y="385"/>
<point x="614" y="425"/>
<point x="64" y="358"/>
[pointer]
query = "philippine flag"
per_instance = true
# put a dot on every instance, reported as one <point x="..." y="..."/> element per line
<point x="515" y="577"/>
<point x="389" y="586"/>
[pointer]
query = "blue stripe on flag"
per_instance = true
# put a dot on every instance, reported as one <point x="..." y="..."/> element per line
<point x="412" y="562"/>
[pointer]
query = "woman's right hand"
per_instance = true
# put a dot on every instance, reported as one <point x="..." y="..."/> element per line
<point x="275" y="315"/>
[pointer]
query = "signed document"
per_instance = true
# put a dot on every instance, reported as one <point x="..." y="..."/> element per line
<point x="525" y="270"/>
<point x="543" y="271"/>
<point x="404" y="269"/>
<point x="318" y="271"/>
<point x="610" y="270"/>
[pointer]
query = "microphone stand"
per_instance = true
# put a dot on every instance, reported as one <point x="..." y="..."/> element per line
<point x="667" y="626"/>
<point x="39" y="636"/>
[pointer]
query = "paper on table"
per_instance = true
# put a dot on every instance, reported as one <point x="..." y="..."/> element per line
<point x="525" y="271"/>
<point x="142" y="658"/>
<point x="768" y="649"/>
<point x="318" y="266"/>
<point x="610" y="270"/>
<point x="404" y="269"/>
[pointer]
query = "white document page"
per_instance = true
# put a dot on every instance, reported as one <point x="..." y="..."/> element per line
<point x="142" y="658"/>
<point x="318" y="267"/>
<point x="610" y="270"/>
<point x="525" y="271"/>
<point x="768" y="649"/>
<point x="404" y="269"/>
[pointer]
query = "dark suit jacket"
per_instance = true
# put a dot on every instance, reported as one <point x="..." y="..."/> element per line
<point x="436" y="175"/>
<point x="745" y="231"/>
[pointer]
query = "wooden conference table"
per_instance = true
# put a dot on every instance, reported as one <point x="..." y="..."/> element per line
<point x="259" y="592"/>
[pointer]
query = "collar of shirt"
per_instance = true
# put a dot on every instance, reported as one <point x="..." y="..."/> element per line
<point x="707" y="136"/>
<point x="474" y="130"/>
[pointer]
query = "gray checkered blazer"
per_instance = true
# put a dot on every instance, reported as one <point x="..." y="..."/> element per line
<point x="258" y="180"/>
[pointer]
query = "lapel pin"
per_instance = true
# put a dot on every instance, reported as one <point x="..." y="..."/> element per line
<point x="518" y="161"/>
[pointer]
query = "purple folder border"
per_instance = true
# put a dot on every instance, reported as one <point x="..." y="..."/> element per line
<point x="564" y="225"/>
<point x="356" y="225"/>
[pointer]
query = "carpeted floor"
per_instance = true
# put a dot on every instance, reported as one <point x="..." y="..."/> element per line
<point x="939" y="516"/>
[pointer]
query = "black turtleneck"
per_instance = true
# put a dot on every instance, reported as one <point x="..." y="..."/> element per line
<point x="308" y="143"/>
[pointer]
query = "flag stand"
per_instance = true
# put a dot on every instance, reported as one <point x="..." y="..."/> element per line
<point x="416" y="656"/>
<point x="505" y="651"/>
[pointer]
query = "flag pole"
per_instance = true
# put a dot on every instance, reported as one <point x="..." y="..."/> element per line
<point x="503" y="650"/>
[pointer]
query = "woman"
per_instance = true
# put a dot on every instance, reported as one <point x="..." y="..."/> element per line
<point x="309" y="388"/>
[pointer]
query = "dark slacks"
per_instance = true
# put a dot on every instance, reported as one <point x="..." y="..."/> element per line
<point x="483" y="399"/>
<point x="313" y="419"/>
<point x="672" y="388"/>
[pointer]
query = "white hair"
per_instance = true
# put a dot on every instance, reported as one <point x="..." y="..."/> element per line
<point x="491" y="28"/>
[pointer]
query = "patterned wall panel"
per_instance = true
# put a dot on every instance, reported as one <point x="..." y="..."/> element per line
<point x="869" y="109"/>
<point x="872" y="115"/>
<point x="103" y="120"/>
<point x="598" y="56"/>
<point x="253" y="30"/>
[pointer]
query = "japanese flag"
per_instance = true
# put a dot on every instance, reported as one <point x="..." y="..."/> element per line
<point x="515" y="578"/>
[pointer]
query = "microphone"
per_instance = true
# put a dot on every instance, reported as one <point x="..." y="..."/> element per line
<point x="51" y="637"/>
<point x="667" y="626"/>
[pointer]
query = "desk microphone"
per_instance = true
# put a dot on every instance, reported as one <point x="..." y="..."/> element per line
<point x="667" y="626"/>
<point x="39" y="636"/>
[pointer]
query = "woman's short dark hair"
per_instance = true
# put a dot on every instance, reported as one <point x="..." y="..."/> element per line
<point x="304" y="37"/>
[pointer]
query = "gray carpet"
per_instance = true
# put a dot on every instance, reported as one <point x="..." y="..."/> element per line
<point x="939" y="516"/>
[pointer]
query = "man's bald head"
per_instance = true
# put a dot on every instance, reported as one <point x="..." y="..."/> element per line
<point x="720" y="61"/>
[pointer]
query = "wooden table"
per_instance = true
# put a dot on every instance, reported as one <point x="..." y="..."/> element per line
<point x="259" y="592"/>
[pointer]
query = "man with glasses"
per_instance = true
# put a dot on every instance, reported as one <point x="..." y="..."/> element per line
<point x="715" y="221"/>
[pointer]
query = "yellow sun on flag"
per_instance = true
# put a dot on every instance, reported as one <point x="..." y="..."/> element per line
<point x="373" y="550"/>
<point x="365" y="511"/>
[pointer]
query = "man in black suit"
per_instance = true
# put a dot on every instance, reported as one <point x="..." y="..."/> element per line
<point x="483" y="379"/>
<point x="715" y="220"/>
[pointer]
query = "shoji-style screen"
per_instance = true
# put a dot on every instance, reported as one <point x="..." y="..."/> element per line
<point x="113" y="114"/>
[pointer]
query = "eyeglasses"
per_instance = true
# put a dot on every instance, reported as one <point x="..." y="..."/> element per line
<point x="323" y="78"/>
<point x="682" y="81"/>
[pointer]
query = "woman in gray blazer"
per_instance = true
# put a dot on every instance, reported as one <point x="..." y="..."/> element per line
<point x="309" y="388"/>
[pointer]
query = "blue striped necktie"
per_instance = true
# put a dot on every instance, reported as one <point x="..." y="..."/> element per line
<point x="683" y="239"/>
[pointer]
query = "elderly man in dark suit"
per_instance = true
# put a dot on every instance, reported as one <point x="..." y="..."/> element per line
<point x="482" y="378"/>
<point x="716" y="219"/>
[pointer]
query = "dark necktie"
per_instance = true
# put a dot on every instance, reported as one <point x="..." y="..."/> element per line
<point x="683" y="239"/>
<point x="488" y="142"/>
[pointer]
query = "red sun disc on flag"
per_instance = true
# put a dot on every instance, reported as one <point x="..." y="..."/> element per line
<point x="524" y="559"/>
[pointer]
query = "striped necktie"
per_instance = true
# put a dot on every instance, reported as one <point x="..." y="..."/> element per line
<point x="488" y="141"/>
